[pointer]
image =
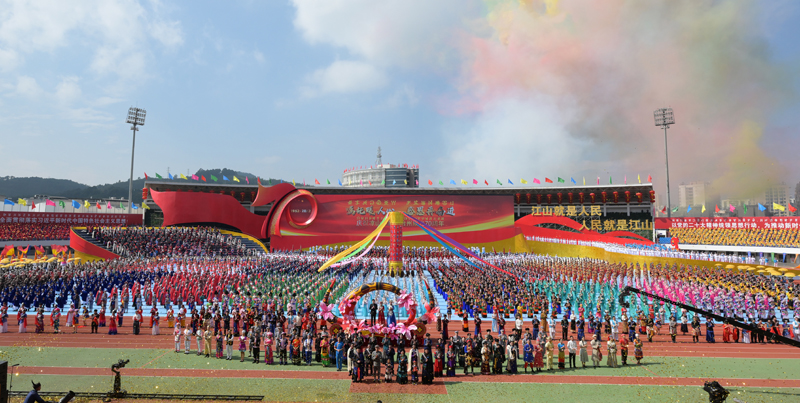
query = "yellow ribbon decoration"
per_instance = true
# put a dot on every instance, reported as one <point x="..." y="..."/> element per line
<point x="349" y="250"/>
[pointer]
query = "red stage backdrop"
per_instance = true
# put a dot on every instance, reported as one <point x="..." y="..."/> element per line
<point x="76" y="219"/>
<point x="729" y="222"/>
<point x="350" y="218"/>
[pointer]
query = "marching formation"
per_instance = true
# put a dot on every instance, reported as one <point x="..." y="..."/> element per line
<point x="542" y="312"/>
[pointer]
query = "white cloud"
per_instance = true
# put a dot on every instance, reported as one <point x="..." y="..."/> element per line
<point x="169" y="33"/>
<point x="344" y="76"/>
<point x="405" y="95"/>
<point x="520" y="137"/>
<point x="68" y="90"/>
<point x="116" y="31"/>
<point x="28" y="87"/>
<point x="259" y="57"/>
<point x="9" y="60"/>
<point x="405" y="33"/>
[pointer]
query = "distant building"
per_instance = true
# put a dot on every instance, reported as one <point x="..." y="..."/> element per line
<point x="382" y="176"/>
<point x="693" y="194"/>
<point x="777" y="194"/>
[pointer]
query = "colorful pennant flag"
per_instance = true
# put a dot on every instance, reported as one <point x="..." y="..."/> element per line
<point x="195" y="177"/>
<point x="430" y="182"/>
<point x="247" y="180"/>
<point x="689" y="208"/>
<point x="33" y="204"/>
<point x="145" y="206"/>
<point x="158" y="176"/>
<point x="316" y="182"/>
<point x="474" y="181"/>
<point x="213" y="178"/>
<point x="203" y="178"/>
<point x="639" y="178"/>
<point x="121" y="205"/>
<point x="791" y="208"/>
<point x="145" y="176"/>
<point x="776" y="206"/>
<point x="573" y="181"/>
<point x="649" y="179"/>
<point x="704" y="209"/>
<point x="510" y="183"/>
<point x="340" y="182"/>
<point x="732" y="208"/>
<point x="609" y="181"/>
<point x="499" y="183"/>
<point x="86" y="204"/>
<point x="62" y="204"/>
<point x="225" y="178"/>
<point x="170" y="175"/>
<point x="184" y="177"/>
<point x="75" y="204"/>
<point x="134" y="206"/>
<point x="537" y="181"/>
<point x="716" y="208"/>
<point x="463" y="182"/>
<point x="108" y="206"/>
<point x="548" y="180"/>
<point x="675" y="210"/>
<point x="761" y="207"/>
<point x="235" y="179"/>
<point x="98" y="206"/>
<point x="598" y="180"/>
<point x="405" y="181"/>
<point x="584" y="181"/>
<point x="8" y="202"/>
<point x="560" y="180"/>
<point x="452" y="181"/>
<point x="524" y="182"/>
<point x="328" y="180"/>
<point x="22" y="202"/>
<point x="50" y="203"/>
<point x="486" y="182"/>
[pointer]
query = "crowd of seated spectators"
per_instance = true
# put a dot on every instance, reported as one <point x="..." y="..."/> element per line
<point x="171" y="241"/>
<point x="33" y="231"/>
<point x="781" y="238"/>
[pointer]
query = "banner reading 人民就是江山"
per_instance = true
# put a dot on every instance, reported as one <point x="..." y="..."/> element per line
<point x="345" y="219"/>
<point x="729" y="222"/>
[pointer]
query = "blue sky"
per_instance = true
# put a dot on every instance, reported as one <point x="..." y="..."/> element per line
<point x="304" y="89"/>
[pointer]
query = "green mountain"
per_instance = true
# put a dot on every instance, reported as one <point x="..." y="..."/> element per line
<point x="16" y="187"/>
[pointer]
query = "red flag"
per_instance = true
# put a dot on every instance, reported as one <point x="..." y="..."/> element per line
<point x="716" y="209"/>
<point x="316" y="182"/>
<point x="203" y="178"/>
<point x="548" y="180"/>
<point x="649" y="178"/>
<point x="145" y="175"/>
<point x="430" y="182"/>
<point x="33" y="205"/>
<point x="98" y="206"/>
<point x="486" y="182"/>
<point x="664" y="210"/>
<point x="370" y="183"/>
<point x="791" y="208"/>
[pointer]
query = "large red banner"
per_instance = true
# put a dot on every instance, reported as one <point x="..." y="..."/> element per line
<point x="350" y="218"/>
<point x="729" y="222"/>
<point x="76" y="219"/>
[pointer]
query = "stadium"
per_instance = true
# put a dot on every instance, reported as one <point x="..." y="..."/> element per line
<point x="496" y="269"/>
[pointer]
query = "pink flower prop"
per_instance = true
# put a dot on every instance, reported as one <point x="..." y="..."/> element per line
<point x="406" y="300"/>
<point x="430" y="314"/>
<point x="404" y="330"/>
<point x="378" y="329"/>
<point x="325" y="311"/>
<point x="391" y="331"/>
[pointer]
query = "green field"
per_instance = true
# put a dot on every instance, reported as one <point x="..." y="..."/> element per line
<point x="311" y="390"/>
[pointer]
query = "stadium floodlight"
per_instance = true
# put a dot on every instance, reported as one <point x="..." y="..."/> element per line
<point x="664" y="117"/>
<point x="135" y="118"/>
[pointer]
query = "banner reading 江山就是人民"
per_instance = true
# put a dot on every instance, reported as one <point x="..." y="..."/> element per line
<point x="729" y="222"/>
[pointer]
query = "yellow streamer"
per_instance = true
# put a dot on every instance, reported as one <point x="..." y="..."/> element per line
<point x="369" y="237"/>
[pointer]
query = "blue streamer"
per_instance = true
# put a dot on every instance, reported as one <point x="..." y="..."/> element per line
<point x="453" y="251"/>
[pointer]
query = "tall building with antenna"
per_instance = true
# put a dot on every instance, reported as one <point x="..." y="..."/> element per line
<point x="382" y="175"/>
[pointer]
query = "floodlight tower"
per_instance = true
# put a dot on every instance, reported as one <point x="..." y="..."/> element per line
<point x="664" y="118"/>
<point x="135" y="118"/>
